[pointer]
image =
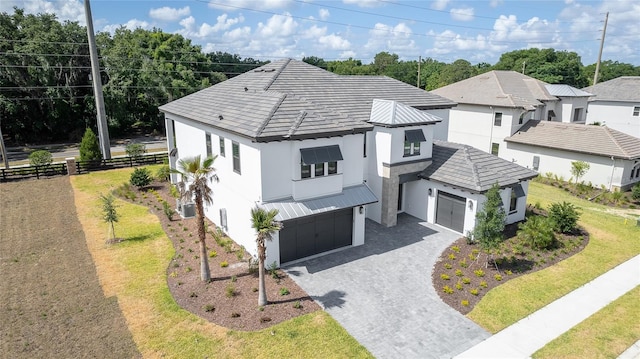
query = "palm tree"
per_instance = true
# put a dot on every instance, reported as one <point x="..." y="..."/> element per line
<point x="196" y="174"/>
<point x="265" y="224"/>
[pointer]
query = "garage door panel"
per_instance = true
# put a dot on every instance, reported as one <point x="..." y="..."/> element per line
<point x="324" y="233"/>
<point x="288" y="244"/>
<point x="450" y="211"/>
<point x="305" y="241"/>
<point x="343" y="229"/>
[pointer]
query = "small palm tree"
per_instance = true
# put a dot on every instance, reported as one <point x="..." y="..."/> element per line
<point x="265" y="224"/>
<point x="196" y="174"/>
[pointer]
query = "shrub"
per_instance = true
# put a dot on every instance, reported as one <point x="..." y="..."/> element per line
<point x="564" y="216"/>
<point x="458" y="273"/>
<point x="224" y="264"/>
<point x="447" y="265"/>
<point x="168" y="211"/>
<point x="455" y="249"/>
<point x="163" y="173"/>
<point x="90" y="147"/>
<point x="483" y="284"/>
<point x="140" y="177"/>
<point x="444" y="276"/>
<point x="284" y="291"/>
<point x="135" y="149"/>
<point x="447" y="289"/>
<point x="635" y="192"/>
<point x="466" y="280"/>
<point x="479" y="273"/>
<point x="459" y="285"/>
<point x="465" y="303"/>
<point x="40" y="158"/>
<point x="209" y="308"/>
<point x="463" y="263"/>
<point x="230" y="291"/>
<point x="213" y="254"/>
<point x="537" y="232"/>
<point x="473" y="291"/>
<point x="297" y="304"/>
<point x="497" y="277"/>
<point x="234" y="279"/>
<point x="452" y="256"/>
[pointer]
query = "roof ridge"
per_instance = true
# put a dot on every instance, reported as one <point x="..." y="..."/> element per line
<point x="297" y="123"/>
<point x="610" y="134"/>
<point x="271" y="113"/>
<point x="275" y="76"/>
<point x="474" y="167"/>
<point x="509" y="96"/>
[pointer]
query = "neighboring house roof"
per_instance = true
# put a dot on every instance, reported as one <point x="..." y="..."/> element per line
<point x="566" y="91"/>
<point x="289" y="99"/>
<point x="624" y="88"/>
<point x="595" y="140"/>
<point x="498" y="88"/>
<point x="349" y="197"/>
<point x="394" y="114"/>
<point x="468" y="168"/>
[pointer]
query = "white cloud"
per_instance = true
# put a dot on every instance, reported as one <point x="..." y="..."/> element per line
<point x="233" y="5"/>
<point x="534" y="32"/>
<point x="71" y="10"/>
<point x="439" y="4"/>
<point x="448" y="42"/>
<point x="324" y="14"/>
<point x="131" y="25"/>
<point x="496" y="3"/>
<point x="334" y="42"/>
<point x="169" y="14"/>
<point x="363" y="3"/>
<point x="277" y="26"/>
<point x="223" y="22"/>
<point x="462" y="14"/>
<point x="314" y="32"/>
<point x="188" y="23"/>
<point x="390" y="38"/>
<point x="347" y="54"/>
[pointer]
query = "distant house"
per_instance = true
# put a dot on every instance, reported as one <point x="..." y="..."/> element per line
<point x="616" y="104"/>
<point x="328" y="151"/>
<point x="613" y="156"/>
<point x="495" y="105"/>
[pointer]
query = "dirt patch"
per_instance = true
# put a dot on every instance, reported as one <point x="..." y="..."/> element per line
<point x="52" y="302"/>
<point x="231" y="298"/>
<point x="463" y="275"/>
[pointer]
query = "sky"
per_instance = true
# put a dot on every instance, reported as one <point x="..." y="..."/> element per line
<point x="445" y="30"/>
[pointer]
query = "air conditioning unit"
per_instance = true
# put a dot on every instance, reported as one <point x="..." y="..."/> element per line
<point x="186" y="209"/>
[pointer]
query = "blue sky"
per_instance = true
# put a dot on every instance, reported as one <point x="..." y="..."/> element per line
<point x="446" y="30"/>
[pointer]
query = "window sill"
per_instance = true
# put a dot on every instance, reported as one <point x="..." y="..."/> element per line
<point x="412" y="155"/>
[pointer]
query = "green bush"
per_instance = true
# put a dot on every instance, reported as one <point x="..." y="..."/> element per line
<point x="163" y="173"/>
<point x="90" y="147"/>
<point x="168" y="211"/>
<point x="135" y="149"/>
<point x="141" y="177"/>
<point x="40" y="158"/>
<point x="564" y="216"/>
<point x="635" y="192"/>
<point x="537" y="232"/>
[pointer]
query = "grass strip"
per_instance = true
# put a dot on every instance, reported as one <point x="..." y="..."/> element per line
<point x="606" y="334"/>
<point x="135" y="272"/>
<point x="613" y="240"/>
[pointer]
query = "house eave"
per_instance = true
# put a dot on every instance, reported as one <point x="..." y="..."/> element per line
<point x="569" y="150"/>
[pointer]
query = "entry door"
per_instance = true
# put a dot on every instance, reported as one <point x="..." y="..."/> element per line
<point x="450" y="211"/>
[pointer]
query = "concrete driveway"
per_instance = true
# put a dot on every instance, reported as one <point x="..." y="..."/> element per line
<point x="381" y="292"/>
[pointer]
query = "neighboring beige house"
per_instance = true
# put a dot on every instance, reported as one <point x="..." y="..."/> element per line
<point x="616" y="104"/>
<point x="613" y="156"/>
<point x="495" y="105"/>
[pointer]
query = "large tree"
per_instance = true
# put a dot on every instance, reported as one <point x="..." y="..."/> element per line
<point x="548" y="65"/>
<point x="490" y="221"/>
<point x="196" y="173"/>
<point x="265" y="224"/>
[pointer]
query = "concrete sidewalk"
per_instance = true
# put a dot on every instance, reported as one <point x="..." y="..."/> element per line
<point x="525" y="337"/>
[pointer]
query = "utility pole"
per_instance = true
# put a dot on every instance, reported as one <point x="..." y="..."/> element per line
<point x="524" y="63"/>
<point x="103" y="129"/>
<point x="604" y="32"/>
<point x="419" y="61"/>
<point x="4" y="149"/>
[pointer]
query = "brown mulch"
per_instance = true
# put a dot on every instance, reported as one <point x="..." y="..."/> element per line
<point x="461" y="260"/>
<point x="231" y="298"/>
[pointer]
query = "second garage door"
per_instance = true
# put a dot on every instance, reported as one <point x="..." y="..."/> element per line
<point x="306" y="236"/>
<point x="450" y="211"/>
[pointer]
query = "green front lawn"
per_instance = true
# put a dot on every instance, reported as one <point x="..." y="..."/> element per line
<point x="135" y="272"/>
<point x="613" y="240"/>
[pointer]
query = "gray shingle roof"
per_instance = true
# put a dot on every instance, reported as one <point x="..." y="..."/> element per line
<point x="596" y="140"/>
<point x="289" y="99"/>
<point x="468" y="168"/>
<point x="566" y="91"/>
<point x="624" y="88"/>
<point x="498" y="88"/>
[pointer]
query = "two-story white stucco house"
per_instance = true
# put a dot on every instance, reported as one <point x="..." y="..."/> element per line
<point x="494" y="105"/>
<point x="328" y="151"/>
<point x="616" y="104"/>
<point x="613" y="156"/>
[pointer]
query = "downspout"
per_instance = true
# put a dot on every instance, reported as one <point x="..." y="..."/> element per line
<point x="613" y="168"/>
<point x="492" y="123"/>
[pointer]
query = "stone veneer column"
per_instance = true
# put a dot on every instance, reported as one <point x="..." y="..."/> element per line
<point x="390" y="183"/>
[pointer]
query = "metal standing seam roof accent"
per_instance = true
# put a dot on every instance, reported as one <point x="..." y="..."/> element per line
<point x="470" y="169"/>
<point x="392" y="113"/>
<point x="313" y="155"/>
<point x="414" y="136"/>
<point x="349" y="197"/>
<point x="594" y="140"/>
<point x="566" y="91"/>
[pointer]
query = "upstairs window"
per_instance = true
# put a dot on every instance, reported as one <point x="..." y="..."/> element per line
<point x="221" y="146"/>
<point x="208" y="142"/>
<point x="412" y="139"/>
<point x="319" y="161"/>
<point x="636" y="111"/>
<point x="235" y="148"/>
<point x="497" y="119"/>
<point x="513" y="203"/>
<point x="495" y="148"/>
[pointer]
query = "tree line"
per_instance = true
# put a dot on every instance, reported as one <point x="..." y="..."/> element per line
<point x="46" y="90"/>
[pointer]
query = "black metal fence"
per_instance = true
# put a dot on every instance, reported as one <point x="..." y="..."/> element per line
<point x="56" y="169"/>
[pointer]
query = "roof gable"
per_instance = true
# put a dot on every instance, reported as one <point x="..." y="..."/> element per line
<point x="595" y="140"/>
<point x="624" y="88"/>
<point x="392" y="113"/>
<point x="498" y="88"/>
<point x="289" y="99"/>
<point x="469" y="168"/>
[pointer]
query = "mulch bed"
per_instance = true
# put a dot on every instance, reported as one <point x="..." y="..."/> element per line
<point x="463" y="275"/>
<point x="231" y="298"/>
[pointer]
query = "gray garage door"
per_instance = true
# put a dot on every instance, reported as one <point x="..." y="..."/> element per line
<point x="450" y="211"/>
<point x="306" y="236"/>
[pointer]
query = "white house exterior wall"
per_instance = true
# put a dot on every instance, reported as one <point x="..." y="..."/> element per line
<point x="441" y="129"/>
<point x="616" y="115"/>
<point x="602" y="169"/>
